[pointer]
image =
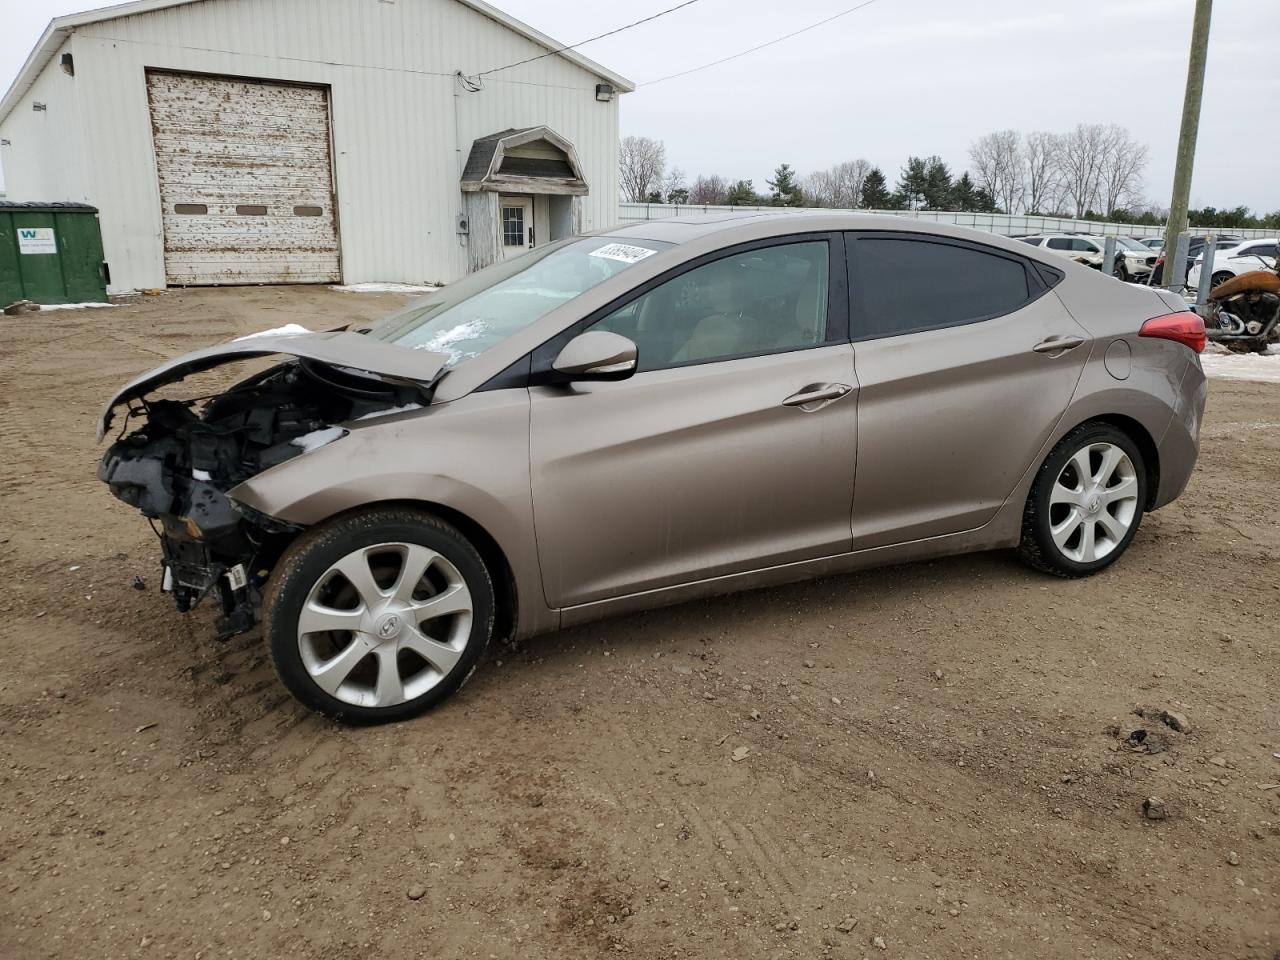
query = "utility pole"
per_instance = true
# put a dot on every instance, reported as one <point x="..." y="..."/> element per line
<point x="1174" y="274"/>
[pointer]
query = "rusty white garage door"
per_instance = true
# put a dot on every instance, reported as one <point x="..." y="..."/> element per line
<point x="246" y="180"/>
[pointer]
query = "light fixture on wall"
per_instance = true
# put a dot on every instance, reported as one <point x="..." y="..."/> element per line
<point x="38" y="106"/>
<point x="604" y="92"/>
<point x="68" y="64"/>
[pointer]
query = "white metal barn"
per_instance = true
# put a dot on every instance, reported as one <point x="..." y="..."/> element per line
<point x="312" y="141"/>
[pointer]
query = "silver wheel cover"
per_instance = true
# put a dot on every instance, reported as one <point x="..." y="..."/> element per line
<point x="385" y="624"/>
<point x="1093" y="502"/>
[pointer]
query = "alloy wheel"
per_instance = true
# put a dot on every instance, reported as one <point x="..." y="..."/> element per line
<point x="1093" y="502"/>
<point x="385" y="624"/>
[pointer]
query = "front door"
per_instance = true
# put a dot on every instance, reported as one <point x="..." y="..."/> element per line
<point x="960" y="380"/>
<point x="732" y="448"/>
<point x="516" y="224"/>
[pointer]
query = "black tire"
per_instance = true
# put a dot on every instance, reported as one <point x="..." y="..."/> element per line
<point x="315" y="552"/>
<point x="1037" y="547"/>
<point x="1219" y="278"/>
<point x="1120" y="272"/>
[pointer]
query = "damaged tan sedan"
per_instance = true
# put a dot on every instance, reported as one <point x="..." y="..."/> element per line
<point x="657" y="413"/>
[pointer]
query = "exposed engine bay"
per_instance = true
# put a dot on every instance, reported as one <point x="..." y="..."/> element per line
<point x="179" y="463"/>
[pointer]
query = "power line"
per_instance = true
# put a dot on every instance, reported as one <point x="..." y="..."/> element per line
<point x="610" y="33"/>
<point x="770" y="43"/>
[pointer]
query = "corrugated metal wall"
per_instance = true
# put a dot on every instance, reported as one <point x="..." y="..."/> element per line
<point x="1004" y="224"/>
<point x="390" y="67"/>
<point x="44" y="159"/>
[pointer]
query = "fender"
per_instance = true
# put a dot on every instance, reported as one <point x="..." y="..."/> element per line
<point x="430" y="456"/>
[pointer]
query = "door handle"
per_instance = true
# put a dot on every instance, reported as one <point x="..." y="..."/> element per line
<point x="816" y="393"/>
<point x="1057" y="345"/>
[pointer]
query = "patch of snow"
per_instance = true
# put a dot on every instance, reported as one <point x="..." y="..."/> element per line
<point x="73" y="306"/>
<point x="446" y="340"/>
<point x="201" y="475"/>
<point x="385" y="288"/>
<point x="1218" y="361"/>
<point x="287" y="330"/>
<point x="317" y="438"/>
<point x="388" y="412"/>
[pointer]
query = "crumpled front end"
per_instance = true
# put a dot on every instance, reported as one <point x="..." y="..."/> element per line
<point x="181" y="458"/>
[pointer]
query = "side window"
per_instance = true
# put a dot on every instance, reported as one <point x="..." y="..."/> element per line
<point x="767" y="300"/>
<point x="1059" y="243"/>
<point x="1083" y="246"/>
<point x="1034" y="241"/>
<point x="906" y="285"/>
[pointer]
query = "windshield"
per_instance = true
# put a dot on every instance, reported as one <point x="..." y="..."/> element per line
<point x="1126" y="244"/>
<point x="472" y="315"/>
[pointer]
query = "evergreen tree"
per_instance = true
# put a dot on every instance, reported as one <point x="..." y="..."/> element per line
<point x="678" y="195"/>
<point x="875" y="191"/>
<point x="784" y="190"/>
<point x="937" y="184"/>
<point x="983" y="202"/>
<point x="742" y="194"/>
<point x="964" y="195"/>
<point x="913" y="182"/>
<point x="654" y="196"/>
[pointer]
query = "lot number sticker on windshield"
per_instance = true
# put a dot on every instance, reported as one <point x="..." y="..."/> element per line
<point x="624" y="252"/>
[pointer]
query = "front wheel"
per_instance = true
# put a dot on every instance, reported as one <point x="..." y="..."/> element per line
<point x="1086" y="503"/>
<point x="1120" y="272"/>
<point x="378" y="615"/>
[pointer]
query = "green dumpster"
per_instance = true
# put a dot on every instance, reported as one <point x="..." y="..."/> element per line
<point x="51" y="253"/>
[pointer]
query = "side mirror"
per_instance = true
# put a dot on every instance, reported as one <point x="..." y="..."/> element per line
<point x="597" y="355"/>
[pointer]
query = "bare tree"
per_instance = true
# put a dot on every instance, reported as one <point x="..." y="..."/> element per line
<point x="1040" y="163"/>
<point x="1082" y="159"/>
<point x="1123" y="163"/>
<point x="819" y="188"/>
<point x="676" y="187"/>
<point x="712" y="189"/>
<point x="642" y="162"/>
<point x="840" y="186"/>
<point x="850" y="176"/>
<point x="997" y="165"/>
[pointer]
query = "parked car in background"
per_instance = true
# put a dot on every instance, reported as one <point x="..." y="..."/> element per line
<point x="1230" y="262"/>
<point x="1133" y="261"/>
<point x="1139" y="261"/>
<point x="1195" y="247"/>
<point x="660" y="412"/>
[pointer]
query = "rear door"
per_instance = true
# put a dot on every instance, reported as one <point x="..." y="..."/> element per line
<point x="732" y="447"/>
<point x="966" y="361"/>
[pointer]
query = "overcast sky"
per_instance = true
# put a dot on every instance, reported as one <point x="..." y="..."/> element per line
<point x="905" y="77"/>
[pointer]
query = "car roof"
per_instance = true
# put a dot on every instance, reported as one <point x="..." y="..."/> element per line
<point x="1249" y="243"/>
<point x="730" y="227"/>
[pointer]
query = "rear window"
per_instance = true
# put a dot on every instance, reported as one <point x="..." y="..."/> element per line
<point x="1059" y="243"/>
<point x="907" y="285"/>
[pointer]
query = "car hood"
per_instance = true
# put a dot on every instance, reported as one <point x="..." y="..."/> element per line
<point x="380" y="359"/>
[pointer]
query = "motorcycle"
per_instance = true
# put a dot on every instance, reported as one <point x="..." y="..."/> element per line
<point x="1243" y="314"/>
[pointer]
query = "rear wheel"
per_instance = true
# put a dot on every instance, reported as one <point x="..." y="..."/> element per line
<point x="1220" y="277"/>
<point x="378" y="615"/>
<point x="1086" y="503"/>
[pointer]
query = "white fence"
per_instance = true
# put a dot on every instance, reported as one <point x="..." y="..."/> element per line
<point x="1003" y="224"/>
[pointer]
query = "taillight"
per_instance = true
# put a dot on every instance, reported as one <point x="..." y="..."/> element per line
<point x="1185" y="327"/>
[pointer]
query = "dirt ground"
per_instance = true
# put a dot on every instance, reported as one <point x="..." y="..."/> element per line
<point x="932" y="771"/>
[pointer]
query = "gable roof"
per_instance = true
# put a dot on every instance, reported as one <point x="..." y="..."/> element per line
<point x="59" y="28"/>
